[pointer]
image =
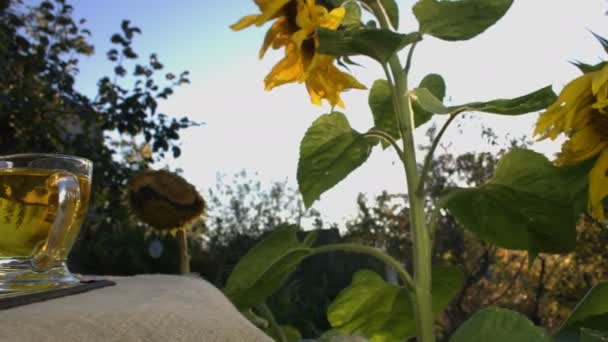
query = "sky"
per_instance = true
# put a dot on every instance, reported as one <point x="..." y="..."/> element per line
<point x="248" y="128"/>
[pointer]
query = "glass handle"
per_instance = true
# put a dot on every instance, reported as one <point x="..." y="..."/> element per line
<point x="67" y="190"/>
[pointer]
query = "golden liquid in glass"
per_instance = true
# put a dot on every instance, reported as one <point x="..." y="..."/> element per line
<point x="28" y="206"/>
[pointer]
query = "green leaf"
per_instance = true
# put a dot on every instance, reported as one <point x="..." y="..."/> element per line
<point x="446" y="284"/>
<point x="591" y="312"/>
<point x="381" y="103"/>
<point x="499" y="325"/>
<point x="352" y="18"/>
<point x="458" y="20"/>
<point x="379" y="44"/>
<point x="603" y="41"/>
<point x="532" y="102"/>
<point x="589" y="335"/>
<point x="380" y="311"/>
<point x="436" y="85"/>
<point x="392" y="11"/>
<point x="329" y="152"/>
<point x="585" y="68"/>
<point x="529" y="204"/>
<point x="266" y="267"/>
<point x="428" y="101"/>
<point x="292" y="333"/>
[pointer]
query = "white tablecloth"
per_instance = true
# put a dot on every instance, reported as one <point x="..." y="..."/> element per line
<point x="145" y="308"/>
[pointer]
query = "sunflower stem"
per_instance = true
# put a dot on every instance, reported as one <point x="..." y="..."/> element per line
<point x="420" y="234"/>
<point x="184" y="257"/>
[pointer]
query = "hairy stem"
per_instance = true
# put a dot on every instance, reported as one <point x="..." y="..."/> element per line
<point x="420" y="234"/>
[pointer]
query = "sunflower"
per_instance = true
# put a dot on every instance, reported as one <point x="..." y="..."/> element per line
<point x="165" y="201"/>
<point x="581" y="112"/>
<point x="295" y="30"/>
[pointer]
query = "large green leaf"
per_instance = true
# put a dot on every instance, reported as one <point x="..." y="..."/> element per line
<point x="379" y="44"/>
<point x="383" y="312"/>
<point x="499" y="325"/>
<point x="392" y="11"/>
<point x="266" y="267"/>
<point x="591" y="312"/>
<point x="529" y="204"/>
<point x="330" y="150"/>
<point x="436" y="85"/>
<point x="428" y="101"/>
<point x="458" y="19"/>
<point x="532" y="102"/>
<point x="381" y="103"/>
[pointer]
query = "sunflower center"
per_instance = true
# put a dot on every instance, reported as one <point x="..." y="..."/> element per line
<point x="599" y="122"/>
<point x="308" y="49"/>
<point x="291" y="12"/>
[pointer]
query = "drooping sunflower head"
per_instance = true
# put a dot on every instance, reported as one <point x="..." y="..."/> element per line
<point x="164" y="201"/>
<point x="581" y="113"/>
<point x="295" y="30"/>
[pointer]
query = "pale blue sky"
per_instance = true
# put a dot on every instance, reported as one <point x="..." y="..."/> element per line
<point x="248" y="128"/>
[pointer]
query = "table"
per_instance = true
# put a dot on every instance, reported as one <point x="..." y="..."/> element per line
<point x="144" y="308"/>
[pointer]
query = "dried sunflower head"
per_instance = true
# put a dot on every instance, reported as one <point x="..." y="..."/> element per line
<point x="164" y="200"/>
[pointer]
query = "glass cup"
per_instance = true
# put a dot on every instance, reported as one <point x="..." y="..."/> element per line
<point x="43" y="201"/>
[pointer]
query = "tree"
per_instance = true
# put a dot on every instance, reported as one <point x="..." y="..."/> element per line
<point x="240" y="211"/>
<point x="119" y="129"/>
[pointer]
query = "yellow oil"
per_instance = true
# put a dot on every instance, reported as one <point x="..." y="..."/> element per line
<point x="28" y="206"/>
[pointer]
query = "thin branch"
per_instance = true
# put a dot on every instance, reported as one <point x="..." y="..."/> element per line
<point x="429" y="156"/>
<point x="539" y="292"/>
<point x="496" y="298"/>
<point x="362" y="249"/>
<point x="408" y="62"/>
<point x="374" y="133"/>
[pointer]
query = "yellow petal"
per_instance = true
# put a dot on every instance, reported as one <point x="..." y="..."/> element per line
<point x="598" y="186"/>
<point x="582" y="118"/>
<point x="325" y="81"/>
<point x="277" y="36"/>
<point x="577" y="95"/>
<point x="334" y="18"/>
<point x="561" y="116"/>
<point x="600" y="79"/>
<point x="244" y="22"/>
<point x="270" y="10"/>
<point x="304" y="18"/>
<point x="602" y="93"/>
<point x="287" y="70"/>
<point x="550" y="123"/>
<point x="601" y="105"/>
<point x="583" y="145"/>
<point x="299" y="37"/>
